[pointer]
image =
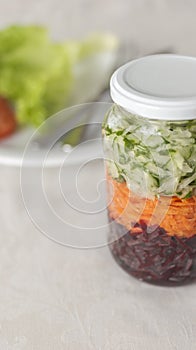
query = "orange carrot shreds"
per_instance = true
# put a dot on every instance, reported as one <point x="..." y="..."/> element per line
<point x="177" y="216"/>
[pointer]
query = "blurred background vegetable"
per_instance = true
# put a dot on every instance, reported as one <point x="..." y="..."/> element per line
<point x="38" y="75"/>
<point x="7" y="118"/>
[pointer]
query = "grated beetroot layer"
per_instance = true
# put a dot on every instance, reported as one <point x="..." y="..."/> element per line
<point x="151" y="255"/>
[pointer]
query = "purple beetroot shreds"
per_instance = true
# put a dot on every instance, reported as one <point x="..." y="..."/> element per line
<point x="156" y="256"/>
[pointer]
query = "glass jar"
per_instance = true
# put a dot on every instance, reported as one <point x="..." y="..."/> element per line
<point x="149" y="138"/>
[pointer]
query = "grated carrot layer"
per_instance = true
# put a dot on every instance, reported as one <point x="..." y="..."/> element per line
<point x="177" y="216"/>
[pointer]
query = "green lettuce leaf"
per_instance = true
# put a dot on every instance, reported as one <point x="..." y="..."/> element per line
<point x="37" y="74"/>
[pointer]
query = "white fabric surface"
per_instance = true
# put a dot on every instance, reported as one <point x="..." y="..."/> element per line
<point x="53" y="297"/>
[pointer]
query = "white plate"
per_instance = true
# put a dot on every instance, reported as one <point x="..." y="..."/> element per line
<point x="16" y="152"/>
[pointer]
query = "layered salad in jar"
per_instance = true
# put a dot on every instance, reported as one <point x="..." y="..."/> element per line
<point x="151" y="177"/>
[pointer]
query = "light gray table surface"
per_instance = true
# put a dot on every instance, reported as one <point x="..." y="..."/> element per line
<point x="145" y="25"/>
<point x="57" y="298"/>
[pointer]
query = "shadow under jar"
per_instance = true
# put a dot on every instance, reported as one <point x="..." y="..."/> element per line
<point x="149" y="138"/>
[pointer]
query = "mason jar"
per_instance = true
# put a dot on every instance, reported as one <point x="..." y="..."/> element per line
<point x="149" y="138"/>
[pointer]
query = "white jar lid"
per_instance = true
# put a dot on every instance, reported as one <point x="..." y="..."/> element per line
<point x="157" y="87"/>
